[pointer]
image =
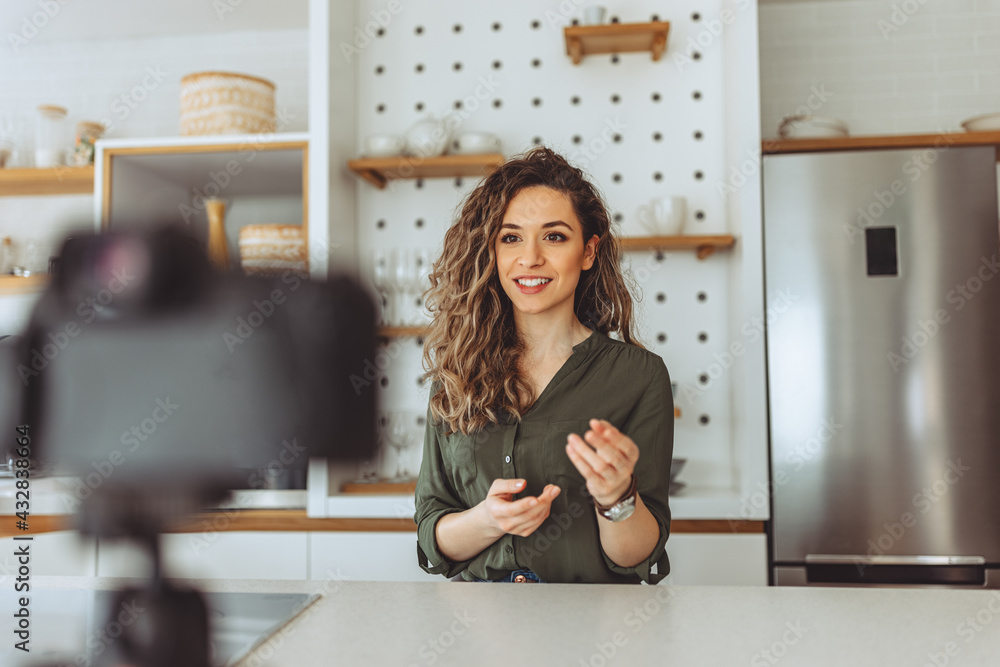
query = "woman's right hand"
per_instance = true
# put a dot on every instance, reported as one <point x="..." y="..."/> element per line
<point x="518" y="517"/>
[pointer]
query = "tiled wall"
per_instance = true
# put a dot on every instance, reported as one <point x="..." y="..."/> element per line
<point x="884" y="66"/>
<point x="135" y="84"/>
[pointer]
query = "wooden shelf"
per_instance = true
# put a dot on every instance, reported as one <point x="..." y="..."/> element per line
<point x="588" y="40"/>
<point x="399" y="332"/>
<point x="406" y="488"/>
<point x="939" y="141"/>
<point x="380" y="170"/>
<point x="702" y="245"/>
<point x="23" y="284"/>
<point x="55" y="181"/>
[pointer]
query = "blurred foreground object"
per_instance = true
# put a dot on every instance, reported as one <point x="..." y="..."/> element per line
<point x="157" y="378"/>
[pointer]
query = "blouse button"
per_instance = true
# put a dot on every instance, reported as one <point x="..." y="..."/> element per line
<point x="507" y="459"/>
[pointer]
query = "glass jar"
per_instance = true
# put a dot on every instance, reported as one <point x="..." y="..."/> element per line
<point x="49" y="136"/>
<point x="87" y="132"/>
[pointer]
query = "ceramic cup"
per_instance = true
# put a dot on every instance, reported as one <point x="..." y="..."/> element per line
<point x="662" y="216"/>
<point x="478" y="142"/>
<point x="384" y="145"/>
<point x="594" y="15"/>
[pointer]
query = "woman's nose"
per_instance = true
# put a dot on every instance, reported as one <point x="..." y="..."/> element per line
<point x="530" y="254"/>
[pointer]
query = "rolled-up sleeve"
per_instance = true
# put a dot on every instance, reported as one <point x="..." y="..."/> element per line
<point x="434" y="499"/>
<point x="651" y="427"/>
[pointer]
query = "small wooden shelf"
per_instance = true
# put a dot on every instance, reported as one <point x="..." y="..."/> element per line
<point x="23" y="284"/>
<point x="383" y="487"/>
<point x="55" y="181"/>
<point x="399" y="332"/>
<point x="380" y="170"/>
<point x="702" y="245"/>
<point x="588" y="40"/>
<point x="939" y="141"/>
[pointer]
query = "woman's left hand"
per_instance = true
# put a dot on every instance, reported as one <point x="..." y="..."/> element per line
<point x="606" y="458"/>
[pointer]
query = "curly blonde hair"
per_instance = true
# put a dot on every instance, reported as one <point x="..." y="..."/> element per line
<point x="472" y="348"/>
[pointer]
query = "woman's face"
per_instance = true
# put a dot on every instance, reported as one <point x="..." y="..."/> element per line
<point x="541" y="251"/>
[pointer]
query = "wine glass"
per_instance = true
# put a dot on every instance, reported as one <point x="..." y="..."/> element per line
<point x="368" y="468"/>
<point x="381" y="281"/>
<point x="404" y="267"/>
<point x="423" y="268"/>
<point x="399" y="439"/>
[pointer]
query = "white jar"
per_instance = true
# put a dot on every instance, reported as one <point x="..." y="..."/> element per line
<point x="50" y="136"/>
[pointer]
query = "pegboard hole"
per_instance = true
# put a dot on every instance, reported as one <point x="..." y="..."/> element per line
<point x="657" y="176"/>
<point x="575" y="99"/>
<point x="379" y="69"/>
<point x="659" y="256"/>
<point x="654" y="17"/>
<point x="661" y="337"/>
<point x="380" y="108"/>
<point x="702" y="337"/>
<point x="696" y="55"/>
<point x="497" y="64"/>
<point x="661" y="297"/>
<point x="380" y="32"/>
<point x="536" y="24"/>
<point x="699" y="215"/>
<point x="419" y="106"/>
<point x="703" y="378"/>
<point x="419" y="30"/>
<point x="698" y="135"/>
<point x="458" y="182"/>
<point x="617" y="138"/>
<point x="384" y="381"/>
<point x="657" y="136"/>
<point x="496" y="26"/>
<point x="457" y="67"/>
<point x="380" y="224"/>
<point x="615" y="99"/>
<point x="698" y="175"/>
<point x="614" y="19"/>
<point x="497" y="104"/>
<point x="536" y="62"/>
<point x="419" y="67"/>
<point x="419" y="222"/>
<point x="702" y="297"/>
<point x="457" y="28"/>
<point x="615" y="59"/>
<point x="419" y="183"/>
<point x="655" y="97"/>
<point x="536" y="141"/>
<point x="537" y="102"/>
<point x="617" y="178"/>
<point x="577" y="139"/>
<point x="695" y="16"/>
<point x="696" y="94"/>
<point x="703" y="420"/>
<point x="457" y="104"/>
<point x="618" y="217"/>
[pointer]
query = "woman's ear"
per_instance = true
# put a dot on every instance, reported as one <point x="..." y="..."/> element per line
<point x="590" y="252"/>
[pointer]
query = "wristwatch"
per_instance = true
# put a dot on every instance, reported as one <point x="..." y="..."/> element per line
<point x="622" y="509"/>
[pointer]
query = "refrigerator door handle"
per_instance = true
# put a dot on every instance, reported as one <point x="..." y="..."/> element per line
<point x="900" y="570"/>
<point x="840" y="559"/>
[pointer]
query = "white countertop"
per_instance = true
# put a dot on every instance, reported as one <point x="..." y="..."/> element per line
<point x="388" y="623"/>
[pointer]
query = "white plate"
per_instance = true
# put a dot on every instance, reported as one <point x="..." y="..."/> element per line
<point x="989" y="122"/>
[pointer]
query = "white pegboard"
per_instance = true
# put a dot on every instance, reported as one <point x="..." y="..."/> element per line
<point x="669" y="118"/>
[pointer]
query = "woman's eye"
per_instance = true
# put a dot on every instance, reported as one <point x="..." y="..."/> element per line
<point x="555" y="236"/>
<point x="507" y="238"/>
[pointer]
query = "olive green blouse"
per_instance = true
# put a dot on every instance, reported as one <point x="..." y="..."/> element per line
<point x="605" y="379"/>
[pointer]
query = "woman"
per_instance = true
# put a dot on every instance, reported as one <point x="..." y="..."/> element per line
<point x="548" y="444"/>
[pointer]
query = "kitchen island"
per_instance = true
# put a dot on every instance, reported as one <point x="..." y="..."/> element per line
<point x="360" y="623"/>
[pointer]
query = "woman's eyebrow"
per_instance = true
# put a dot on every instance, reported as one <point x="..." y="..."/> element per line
<point x="554" y="223"/>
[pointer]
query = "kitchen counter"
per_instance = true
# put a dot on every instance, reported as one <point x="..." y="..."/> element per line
<point x="380" y="623"/>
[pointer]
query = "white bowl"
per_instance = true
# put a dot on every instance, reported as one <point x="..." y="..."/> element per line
<point x="384" y="145"/>
<point x="989" y="122"/>
<point x="813" y="127"/>
<point x="470" y="143"/>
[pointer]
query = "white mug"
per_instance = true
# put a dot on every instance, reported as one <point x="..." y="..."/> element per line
<point x="663" y="216"/>
<point x="384" y="145"/>
<point x="594" y="15"/>
<point x="478" y="142"/>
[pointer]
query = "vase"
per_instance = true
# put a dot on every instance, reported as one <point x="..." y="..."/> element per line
<point x="218" y="253"/>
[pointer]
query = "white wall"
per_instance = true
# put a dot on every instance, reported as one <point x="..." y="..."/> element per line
<point x="885" y="66"/>
<point x="134" y="84"/>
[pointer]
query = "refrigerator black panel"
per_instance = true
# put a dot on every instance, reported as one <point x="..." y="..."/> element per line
<point x="884" y="393"/>
<point x="880" y="251"/>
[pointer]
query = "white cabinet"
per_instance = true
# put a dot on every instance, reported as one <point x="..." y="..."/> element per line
<point x="366" y="556"/>
<point x="64" y="554"/>
<point x="717" y="560"/>
<point x="230" y="555"/>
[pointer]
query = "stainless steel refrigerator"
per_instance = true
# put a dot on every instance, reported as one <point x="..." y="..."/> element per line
<point x="883" y="354"/>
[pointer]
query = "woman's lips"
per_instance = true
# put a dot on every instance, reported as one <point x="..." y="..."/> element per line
<point x="531" y="290"/>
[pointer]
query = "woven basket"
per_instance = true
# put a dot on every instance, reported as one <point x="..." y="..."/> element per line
<point x="267" y="250"/>
<point x="226" y="103"/>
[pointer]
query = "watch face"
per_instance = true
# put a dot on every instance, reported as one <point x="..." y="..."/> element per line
<point x="621" y="511"/>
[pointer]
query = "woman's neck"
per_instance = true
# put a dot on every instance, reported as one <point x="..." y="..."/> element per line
<point x="550" y="337"/>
